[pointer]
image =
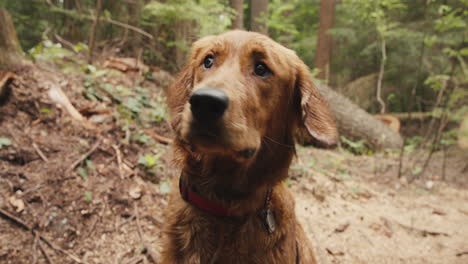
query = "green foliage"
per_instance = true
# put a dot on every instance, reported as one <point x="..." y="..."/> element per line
<point x="49" y="51"/>
<point x="357" y="147"/>
<point x="425" y="43"/>
<point x="151" y="162"/>
<point x="88" y="196"/>
<point x="4" y="142"/>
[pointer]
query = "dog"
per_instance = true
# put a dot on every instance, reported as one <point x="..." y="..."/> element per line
<point x="234" y="110"/>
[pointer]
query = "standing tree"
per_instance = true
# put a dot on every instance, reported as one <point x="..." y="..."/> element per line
<point x="134" y="11"/>
<point x="10" y="49"/>
<point x="324" y="42"/>
<point x="258" y="12"/>
<point x="238" y="6"/>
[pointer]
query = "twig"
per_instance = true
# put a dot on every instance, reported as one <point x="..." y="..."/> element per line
<point x="400" y="159"/>
<point x="127" y="26"/>
<point x="44" y="252"/>
<point x="119" y="160"/>
<point x="34" y="248"/>
<point x="65" y="42"/>
<point x="14" y="219"/>
<point x="459" y="254"/>
<point x="86" y="155"/>
<point x="152" y="256"/>
<point x="444" y="162"/>
<point x="381" y="74"/>
<point x="137" y="215"/>
<point x="25" y="226"/>
<point x="108" y="20"/>
<point x="160" y="139"/>
<point x="39" y="152"/>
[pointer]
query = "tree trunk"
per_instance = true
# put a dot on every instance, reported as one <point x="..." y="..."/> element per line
<point x="134" y="10"/>
<point x="92" y="36"/>
<point x="356" y="124"/>
<point x="74" y="30"/>
<point x="10" y="49"/>
<point x="238" y="6"/>
<point x="324" y="41"/>
<point x="258" y="14"/>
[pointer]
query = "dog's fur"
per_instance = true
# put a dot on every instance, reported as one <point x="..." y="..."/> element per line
<point x="262" y="115"/>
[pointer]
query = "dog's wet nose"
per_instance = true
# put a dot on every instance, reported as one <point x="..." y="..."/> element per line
<point x="208" y="104"/>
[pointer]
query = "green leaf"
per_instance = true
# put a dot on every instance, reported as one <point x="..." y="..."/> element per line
<point x="46" y="111"/>
<point x="88" y="196"/>
<point x="89" y="164"/>
<point x="82" y="172"/>
<point x="416" y="170"/>
<point x="4" y="142"/>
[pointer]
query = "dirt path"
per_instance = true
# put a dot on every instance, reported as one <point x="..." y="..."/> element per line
<point x="356" y="220"/>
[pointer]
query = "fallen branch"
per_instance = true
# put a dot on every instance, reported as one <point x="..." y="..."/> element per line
<point x="119" y="160"/>
<point x="39" y="152"/>
<point x="59" y="97"/>
<point x="22" y="224"/>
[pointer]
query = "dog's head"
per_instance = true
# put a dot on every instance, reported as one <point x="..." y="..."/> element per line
<point x="240" y="89"/>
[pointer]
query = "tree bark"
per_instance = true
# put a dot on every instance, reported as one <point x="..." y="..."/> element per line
<point x="134" y="10"/>
<point x="238" y="6"/>
<point x="356" y="124"/>
<point x="92" y="36"/>
<point x="324" y="41"/>
<point x="258" y="13"/>
<point x="10" y="49"/>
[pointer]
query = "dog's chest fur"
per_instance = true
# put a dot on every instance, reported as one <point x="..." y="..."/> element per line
<point x="196" y="237"/>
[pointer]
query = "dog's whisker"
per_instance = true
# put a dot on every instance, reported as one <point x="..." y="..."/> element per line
<point x="279" y="143"/>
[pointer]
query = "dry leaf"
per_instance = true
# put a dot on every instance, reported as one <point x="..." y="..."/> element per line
<point x="18" y="204"/>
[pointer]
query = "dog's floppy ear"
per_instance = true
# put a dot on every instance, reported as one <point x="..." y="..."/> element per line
<point x="315" y="113"/>
<point x="178" y="94"/>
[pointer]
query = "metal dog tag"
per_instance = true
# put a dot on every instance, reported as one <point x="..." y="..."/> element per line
<point x="268" y="219"/>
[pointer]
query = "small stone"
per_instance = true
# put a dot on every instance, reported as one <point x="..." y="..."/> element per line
<point x="429" y="184"/>
<point x="135" y="192"/>
<point x="341" y="228"/>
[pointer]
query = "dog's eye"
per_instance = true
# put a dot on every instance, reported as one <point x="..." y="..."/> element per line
<point x="208" y="62"/>
<point x="261" y="70"/>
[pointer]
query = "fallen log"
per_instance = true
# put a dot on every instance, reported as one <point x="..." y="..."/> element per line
<point x="356" y="124"/>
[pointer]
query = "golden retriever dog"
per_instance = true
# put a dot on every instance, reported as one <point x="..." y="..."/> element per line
<point x="234" y="109"/>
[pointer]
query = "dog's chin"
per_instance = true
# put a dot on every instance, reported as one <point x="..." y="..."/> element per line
<point x="204" y="143"/>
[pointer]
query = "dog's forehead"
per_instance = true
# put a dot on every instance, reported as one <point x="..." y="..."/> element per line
<point x="238" y="40"/>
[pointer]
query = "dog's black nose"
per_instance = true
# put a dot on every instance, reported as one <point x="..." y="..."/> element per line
<point x="208" y="104"/>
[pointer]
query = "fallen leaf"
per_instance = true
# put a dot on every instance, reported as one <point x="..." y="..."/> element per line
<point x="341" y="228"/>
<point x="16" y="203"/>
<point x="135" y="192"/>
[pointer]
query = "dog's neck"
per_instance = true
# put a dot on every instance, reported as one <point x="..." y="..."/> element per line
<point x="242" y="187"/>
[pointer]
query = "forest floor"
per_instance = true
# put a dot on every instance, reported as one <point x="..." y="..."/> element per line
<point x="79" y="191"/>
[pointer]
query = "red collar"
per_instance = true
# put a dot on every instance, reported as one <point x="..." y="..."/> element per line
<point x="211" y="207"/>
<point x="193" y="198"/>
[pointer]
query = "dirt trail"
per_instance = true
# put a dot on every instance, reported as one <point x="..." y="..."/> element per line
<point x="357" y="220"/>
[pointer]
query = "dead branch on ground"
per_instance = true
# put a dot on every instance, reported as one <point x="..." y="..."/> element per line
<point x="6" y="215"/>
